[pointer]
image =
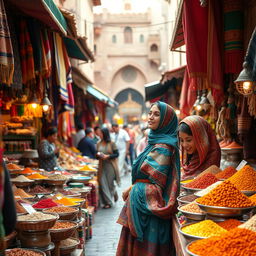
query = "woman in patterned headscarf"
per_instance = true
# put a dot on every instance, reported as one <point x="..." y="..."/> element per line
<point x="151" y="201"/>
<point x="199" y="146"/>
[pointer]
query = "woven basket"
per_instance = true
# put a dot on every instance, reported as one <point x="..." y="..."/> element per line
<point x="66" y="215"/>
<point x="27" y="249"/>
<point x="41" y="225"/>
<point x="67" y="250"/>
<point x="62" y="234"/>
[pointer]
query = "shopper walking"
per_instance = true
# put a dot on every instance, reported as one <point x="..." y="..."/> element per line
<point x="87" y="145"/>
<point x="122" y="141"/>
<point x="107" y="153"/>
<point x="151" y="201"/>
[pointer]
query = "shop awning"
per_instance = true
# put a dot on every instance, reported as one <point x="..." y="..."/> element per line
<point x="76" y="45"/>
<point x="99" y="95"/>
<point x="177" y="39"/>
<point x="159" y="88"/>
<point x="44" y="10"/>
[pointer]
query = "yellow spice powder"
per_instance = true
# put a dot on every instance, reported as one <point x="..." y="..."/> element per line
<point x="205" y="228"/>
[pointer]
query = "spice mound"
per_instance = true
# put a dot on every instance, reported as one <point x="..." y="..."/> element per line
<point x="191" y="207"/>
<point x="63" y="225"/>
<point x="21" y="178"/>
<point x="27" y="171"/>
<point x="213" y="169"/>
<point x="61" y="209"/>
<point x="208" y="189"/>
<point x="21" y="193"/>
<point x="45" y="203"/>
<point x="12" y="166"/>
<point x="205" y="228"/>
<point x="225" y="195"/>
<point x="37" y="176"/>
<point x="66" y="201"/>
<point x="39" y="189"/>
<point x="36" y="216"/>
<point x="68" y="243"/>
<point x="22" y="252"/>
<point x="19" y="208"/>
<point x="245" y="179"/>
<point x="253" y="198"/>
<point x="226" y="173"/>
<point x="229" y="224"/>
<point x="250" y="224"/>
<point x="188" y="198"/>
<point x="235" y="242"/>
<point x="202" y="182"/>
<point x="57" y="177"/>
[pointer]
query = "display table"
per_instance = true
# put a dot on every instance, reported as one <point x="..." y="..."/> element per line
<point x="179" y="241"/>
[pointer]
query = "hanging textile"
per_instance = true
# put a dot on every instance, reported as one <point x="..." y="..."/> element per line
<point x="70" y="102"/>
<point x="61" y="74"/>
<point x="26" y="54"/>
<point x="187" y="96"/>
<point x="66" y="126"/>
<point x="6" y="51"/>
<point x="233" y="35"/>
<point x="203" y="51"/>
<point x="34" y="31"/>
<point x="17" y="75"/>
<point x="46" y="54"/>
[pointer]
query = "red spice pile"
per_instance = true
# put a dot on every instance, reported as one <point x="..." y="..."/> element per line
<point x="45" y="203"/>
<point x="229" y="224"/>
<point x="226" y="173"/>
<point x="202" y="182"/>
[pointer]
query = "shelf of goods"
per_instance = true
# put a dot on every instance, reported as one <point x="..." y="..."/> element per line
<point x="17" y="144"/>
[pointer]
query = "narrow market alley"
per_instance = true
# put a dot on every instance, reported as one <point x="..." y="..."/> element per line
<point x="105" y="230"/>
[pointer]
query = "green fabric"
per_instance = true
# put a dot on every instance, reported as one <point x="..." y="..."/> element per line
<point x="57" y="15"/>
<point x="2" y="232"/>
<point x="73" y="49"/>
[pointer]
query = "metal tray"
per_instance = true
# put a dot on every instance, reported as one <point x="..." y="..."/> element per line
<point x="193" y="216"/>
<point x="225" y="211"/>
<point x="191" y="190"/>
<point x="189" y="252"/>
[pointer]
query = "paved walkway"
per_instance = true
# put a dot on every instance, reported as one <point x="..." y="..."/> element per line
<point x="105" y="230"/>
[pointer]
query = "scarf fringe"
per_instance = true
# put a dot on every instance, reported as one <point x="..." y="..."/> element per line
<point x="6" y="73"/>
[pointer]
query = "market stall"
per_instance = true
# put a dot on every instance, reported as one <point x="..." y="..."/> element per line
<point x="214" y="208"/>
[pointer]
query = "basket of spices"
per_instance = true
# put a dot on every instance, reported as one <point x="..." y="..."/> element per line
<point x="192" y="211"/>
<point x="56" y="179"/>
<point x="21" y="181"/>
<point x="24" y="252"/>
<point x="44" y="204"/>
<point x="37" y="177"/>
<point x="20" y="193"/>
<point x="225" y="201"/>
<point x="62" y="230"/>
<point x="202" y="229"/>
<point x="40" y="190"/>
<point x="67" y="246"/>
<point x="65" y="201"/>
<point x="64" y="212"/>
<point x="36" y="221"/>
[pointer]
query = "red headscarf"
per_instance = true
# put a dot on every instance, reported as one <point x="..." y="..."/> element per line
<point x="208" y="149"/>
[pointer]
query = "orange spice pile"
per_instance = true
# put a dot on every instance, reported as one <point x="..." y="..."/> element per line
<point x="253" y="198"/>
<point x="235" y="242"/>
<point x="226" y="173"/>
<point x="36" y="176"/>
<point x="229" y="224"/>
<point x="245" y="179"/>
<point x="202" y="182"/>
<point x="226" y="195"/>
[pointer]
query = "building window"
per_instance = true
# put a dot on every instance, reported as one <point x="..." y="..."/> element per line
<point x="127" y="35"/>
<point x="129" y="74"/>
<point x="153" y="48"/>
<point x="114" y="39"/>
<point x="141" y="38"/>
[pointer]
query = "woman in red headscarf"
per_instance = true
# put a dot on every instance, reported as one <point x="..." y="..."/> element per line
<point x="199" y="146"/>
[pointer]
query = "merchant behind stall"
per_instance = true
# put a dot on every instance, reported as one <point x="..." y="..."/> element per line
<point x="48" y="152"/>
<point x="199" y="146"/>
